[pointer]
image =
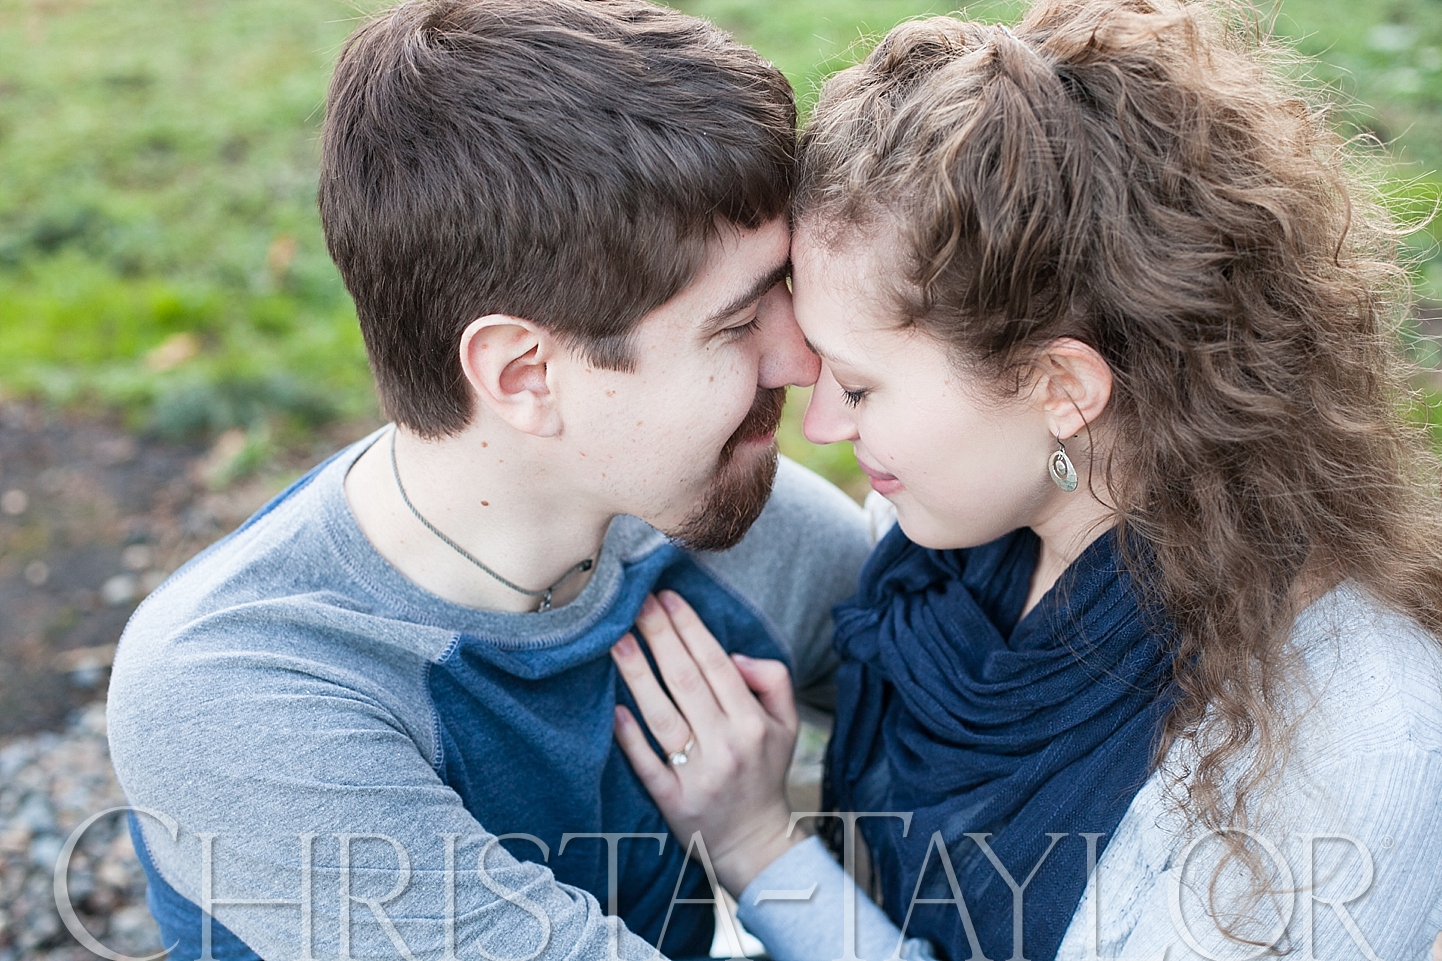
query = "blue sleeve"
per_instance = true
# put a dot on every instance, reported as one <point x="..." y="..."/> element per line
<point x="800" y="905"/>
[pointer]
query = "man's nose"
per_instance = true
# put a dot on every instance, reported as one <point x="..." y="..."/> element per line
<point x="785" y="360"/>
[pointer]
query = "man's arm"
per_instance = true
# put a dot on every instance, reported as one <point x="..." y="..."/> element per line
<point x="260" y="758"/>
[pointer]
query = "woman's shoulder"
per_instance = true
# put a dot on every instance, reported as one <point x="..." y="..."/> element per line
<point x="1354" y="809"/>
<point x="1370" y="678"/>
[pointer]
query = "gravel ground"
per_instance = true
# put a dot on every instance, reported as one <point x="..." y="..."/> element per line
<point x="91" y="519"/>
<point x="49" y="784"/>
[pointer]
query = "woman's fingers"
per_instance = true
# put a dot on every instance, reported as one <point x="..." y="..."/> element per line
<point x="771" y="682"/>
<point x="658" y="777"/>
<point x="733" y="785"/>
<point x="667" y="725"/>
<point x="1437" y="949"/>
<point x="711" y="694"/>
<point x="728" y="686"/>
<point x="689" y="687"/>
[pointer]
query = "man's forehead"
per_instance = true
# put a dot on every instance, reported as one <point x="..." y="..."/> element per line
<point x="739" y="267"/>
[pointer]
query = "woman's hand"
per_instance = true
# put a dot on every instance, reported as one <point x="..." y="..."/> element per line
<point x="728" y="748"/>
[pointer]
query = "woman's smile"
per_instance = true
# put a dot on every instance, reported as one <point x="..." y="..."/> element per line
<point x="883" y="483"/>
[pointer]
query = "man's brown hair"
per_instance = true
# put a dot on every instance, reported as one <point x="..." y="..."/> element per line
<point x="564" y="161"/>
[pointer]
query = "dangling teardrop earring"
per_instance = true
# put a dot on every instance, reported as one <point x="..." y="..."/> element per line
<point x="1059" y="466"/>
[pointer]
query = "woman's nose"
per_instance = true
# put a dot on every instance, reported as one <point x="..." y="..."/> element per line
<point x="828" y="420"/>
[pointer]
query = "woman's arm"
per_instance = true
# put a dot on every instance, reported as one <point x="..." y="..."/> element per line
<point x="804" y="907"/>
<point x="1351" y="852"/>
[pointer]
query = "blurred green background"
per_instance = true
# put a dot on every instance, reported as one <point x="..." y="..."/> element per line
<point x="160" y="255"/>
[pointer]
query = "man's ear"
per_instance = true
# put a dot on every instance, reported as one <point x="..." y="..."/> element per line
<point x="1074" y="385"/>
<point x="506" y="360"/>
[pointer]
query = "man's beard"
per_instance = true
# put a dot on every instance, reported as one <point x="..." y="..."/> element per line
<point x="738" y="492"/>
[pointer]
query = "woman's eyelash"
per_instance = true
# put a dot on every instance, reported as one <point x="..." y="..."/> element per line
<point x="852" y="397"/>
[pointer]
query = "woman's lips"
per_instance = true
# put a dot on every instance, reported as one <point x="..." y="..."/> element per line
<point x="883" y="483"/>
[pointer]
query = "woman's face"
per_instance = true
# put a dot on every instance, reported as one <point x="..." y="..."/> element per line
<point x="963" y="461"/>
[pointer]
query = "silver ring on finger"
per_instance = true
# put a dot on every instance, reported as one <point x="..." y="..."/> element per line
<point x="678" y="758"/>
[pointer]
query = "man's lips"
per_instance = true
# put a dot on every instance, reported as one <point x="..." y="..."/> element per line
<point x="760" y="424"/>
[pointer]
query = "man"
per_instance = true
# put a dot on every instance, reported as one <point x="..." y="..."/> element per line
<point x="564" y="226"/>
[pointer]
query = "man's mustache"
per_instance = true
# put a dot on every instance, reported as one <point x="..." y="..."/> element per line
<point x="763" y="418"/>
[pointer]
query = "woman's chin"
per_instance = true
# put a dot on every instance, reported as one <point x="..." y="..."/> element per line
<point x="923" y="530"/>
<point x="936" y="531"/>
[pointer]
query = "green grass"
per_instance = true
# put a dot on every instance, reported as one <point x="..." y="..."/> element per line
<point x="159" y="249"/>
<point x="809" y="39"/>
<point x="157" y="178"/>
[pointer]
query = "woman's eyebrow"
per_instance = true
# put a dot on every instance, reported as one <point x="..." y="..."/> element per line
<point x="829" y="358"/>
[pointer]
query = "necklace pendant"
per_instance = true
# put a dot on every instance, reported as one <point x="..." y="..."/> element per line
<point x="545" y="602"/>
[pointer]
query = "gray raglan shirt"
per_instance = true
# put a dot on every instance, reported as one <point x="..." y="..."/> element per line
<point x="318" y="736"/>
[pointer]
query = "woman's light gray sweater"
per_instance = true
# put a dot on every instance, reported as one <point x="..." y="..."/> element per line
<point x="1351" y="831"/>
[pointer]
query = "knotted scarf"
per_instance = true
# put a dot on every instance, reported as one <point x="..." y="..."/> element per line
<point x="1006" y="734"/>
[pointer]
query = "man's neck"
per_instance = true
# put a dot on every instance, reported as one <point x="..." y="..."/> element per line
<point x="494" y="500"/>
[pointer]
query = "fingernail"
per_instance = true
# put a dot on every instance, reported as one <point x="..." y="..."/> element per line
<point x="626" y="646"/>
<point x="670" y="600"/>
<point x="741" y="658"/>
<point x="648" y="606"/>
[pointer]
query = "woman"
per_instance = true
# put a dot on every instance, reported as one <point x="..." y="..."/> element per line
<point x="1112" y="324"/>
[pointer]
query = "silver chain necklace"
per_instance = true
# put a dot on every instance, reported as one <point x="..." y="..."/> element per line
<point x="544" y="594"/>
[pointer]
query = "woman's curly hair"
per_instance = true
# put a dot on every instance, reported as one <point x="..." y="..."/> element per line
<point x="1139" y="175"/>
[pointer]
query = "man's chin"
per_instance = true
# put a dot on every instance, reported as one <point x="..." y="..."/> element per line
<point x="736" y="497"/>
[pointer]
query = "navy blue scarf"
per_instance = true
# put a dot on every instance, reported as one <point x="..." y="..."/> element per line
<point x="952" y="706"/>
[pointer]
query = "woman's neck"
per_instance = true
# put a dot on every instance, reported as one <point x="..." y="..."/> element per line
<point x="1066" y="530"/>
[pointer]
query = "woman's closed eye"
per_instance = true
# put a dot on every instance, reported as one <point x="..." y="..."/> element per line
<point x="853" y="397"/>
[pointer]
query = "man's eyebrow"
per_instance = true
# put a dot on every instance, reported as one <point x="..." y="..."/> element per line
<point x="753" y="294"/>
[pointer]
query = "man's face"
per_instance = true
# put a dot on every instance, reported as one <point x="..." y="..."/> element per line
<point x="686" y="440"/>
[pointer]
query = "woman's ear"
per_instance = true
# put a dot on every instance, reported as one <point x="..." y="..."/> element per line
<point x="507" y="363"/>
<point x="1074" y="386"/>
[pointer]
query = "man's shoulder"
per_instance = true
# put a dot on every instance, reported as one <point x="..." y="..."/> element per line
<point x="270" y="628"/>
<point x="803" y="496"/>
<point x="285" y="584"/>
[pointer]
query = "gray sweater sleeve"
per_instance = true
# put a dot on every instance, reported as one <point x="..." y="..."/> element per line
<point x="1349" y="834"/>
<point x="270" y="760"/>
<point x="804" y="907"/>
